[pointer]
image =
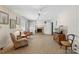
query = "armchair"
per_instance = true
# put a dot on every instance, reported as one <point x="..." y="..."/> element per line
<point x="18" y="42"/>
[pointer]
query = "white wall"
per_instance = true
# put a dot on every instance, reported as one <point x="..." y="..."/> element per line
<point x="32" y="26"/>
<point x="5" y="39"/>
<point x="47" y="27"/>
<point x="23" y="24"/>
<point x="77" y="20"/>
<point x="26" y="25"/>
<point x="68" y="18"/>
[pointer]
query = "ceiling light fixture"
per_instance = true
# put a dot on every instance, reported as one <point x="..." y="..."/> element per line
<point x="39" y="12"/>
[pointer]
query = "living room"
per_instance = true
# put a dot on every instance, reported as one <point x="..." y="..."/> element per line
<point x="31" y="20"/>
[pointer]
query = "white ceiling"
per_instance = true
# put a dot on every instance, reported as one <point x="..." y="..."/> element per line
<point x="31" y="11"/>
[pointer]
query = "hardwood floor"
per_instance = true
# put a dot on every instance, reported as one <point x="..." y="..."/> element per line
<point x="40" y="44"/>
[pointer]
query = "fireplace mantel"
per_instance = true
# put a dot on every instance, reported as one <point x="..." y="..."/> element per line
<point x="40" y="27"/>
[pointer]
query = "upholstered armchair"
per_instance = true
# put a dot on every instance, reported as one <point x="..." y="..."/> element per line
<point x="18" y="42"/>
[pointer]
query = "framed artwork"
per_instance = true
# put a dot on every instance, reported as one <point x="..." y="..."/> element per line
<point x="17" y="20"/>
<point x="4" y="18"/>
<point x="12" y="23"/>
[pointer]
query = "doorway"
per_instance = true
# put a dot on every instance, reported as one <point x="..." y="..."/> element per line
<point x="52" y="27"/>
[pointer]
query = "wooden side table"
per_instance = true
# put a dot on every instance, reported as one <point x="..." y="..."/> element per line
<point x="59" y="37"/>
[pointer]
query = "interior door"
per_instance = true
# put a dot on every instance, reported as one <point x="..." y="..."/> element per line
<point x="52" y="28"/>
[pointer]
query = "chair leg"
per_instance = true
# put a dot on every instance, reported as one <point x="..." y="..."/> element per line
<point x="60" y="46"/>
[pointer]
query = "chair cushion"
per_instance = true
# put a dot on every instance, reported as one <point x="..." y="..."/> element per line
<point x="17" y="34"/>
<point x="65" y="43"/>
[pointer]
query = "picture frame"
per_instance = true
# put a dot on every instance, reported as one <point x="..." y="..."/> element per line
<point x="4" y="18"/>
<point x="18" y="20"/>
<point x="12" y="23"/>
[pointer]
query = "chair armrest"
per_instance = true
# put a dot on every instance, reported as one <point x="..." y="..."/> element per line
<point x="22" y="39"/>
